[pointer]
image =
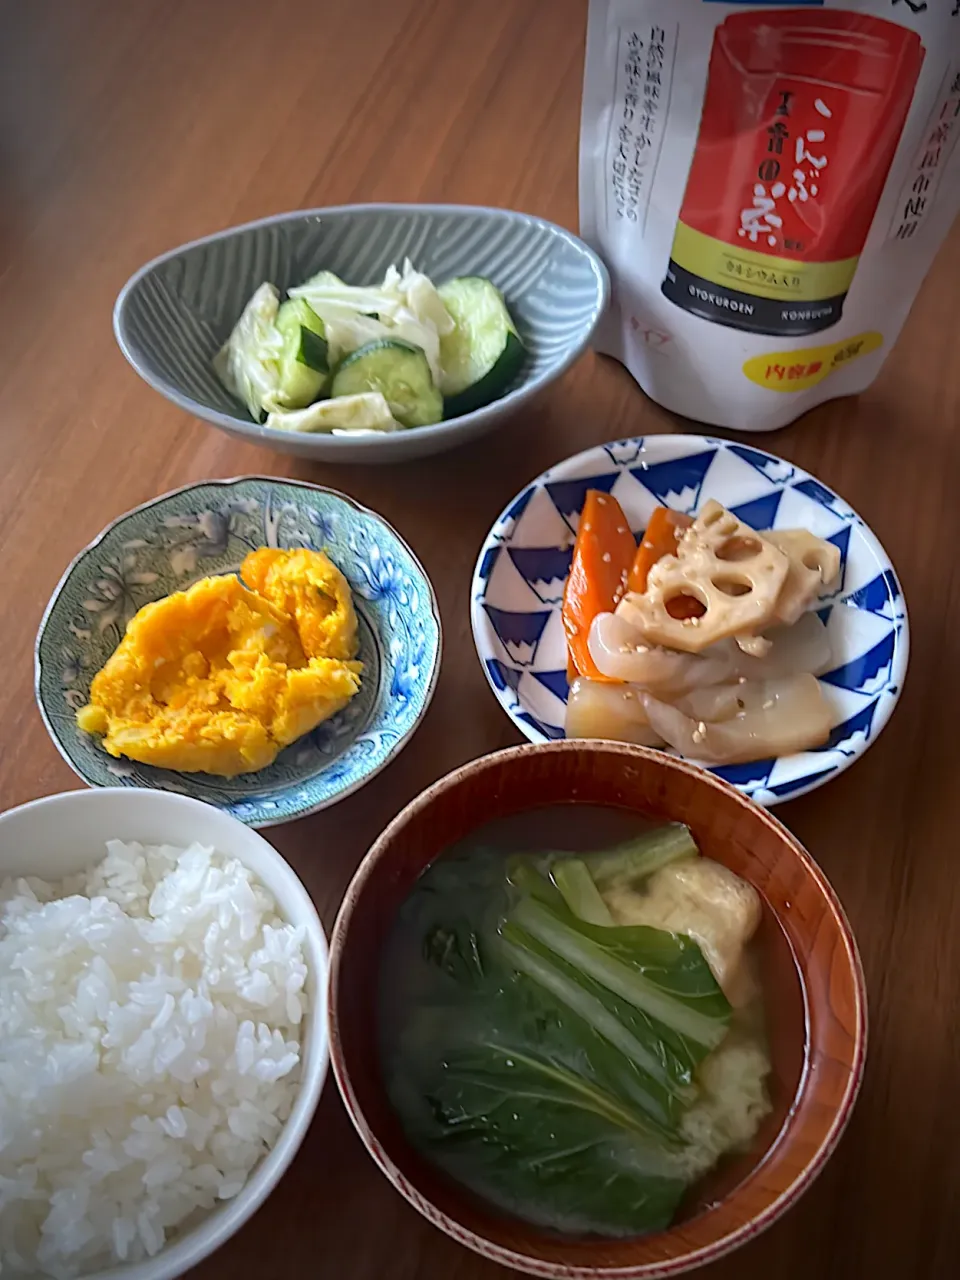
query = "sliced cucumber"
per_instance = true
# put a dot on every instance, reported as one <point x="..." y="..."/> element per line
<point x="398" y="370"/>
<point x="484" y="353"/>
<point x="300" y="325"/>
<point x="303" y="367"/>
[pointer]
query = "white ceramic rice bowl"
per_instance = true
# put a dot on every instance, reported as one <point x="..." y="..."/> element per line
<point x="63" y="834"/>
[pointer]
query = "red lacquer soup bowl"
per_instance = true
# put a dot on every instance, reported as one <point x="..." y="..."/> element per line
<point x="814" y="988"/>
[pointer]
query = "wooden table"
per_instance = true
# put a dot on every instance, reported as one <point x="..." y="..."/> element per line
<point x="128" y="128"/>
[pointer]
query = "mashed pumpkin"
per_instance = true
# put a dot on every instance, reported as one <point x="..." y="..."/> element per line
<point x="219" y="678"/>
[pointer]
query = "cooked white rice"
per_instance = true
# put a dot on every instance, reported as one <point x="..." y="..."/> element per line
<point x="149" y="1052"/>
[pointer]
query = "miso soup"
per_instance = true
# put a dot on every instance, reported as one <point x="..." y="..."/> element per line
<point x="570" y="1021"/>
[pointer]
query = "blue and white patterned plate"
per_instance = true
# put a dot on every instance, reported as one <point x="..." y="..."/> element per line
<point x="519" y="579"/>
<point x="205" y="529"/>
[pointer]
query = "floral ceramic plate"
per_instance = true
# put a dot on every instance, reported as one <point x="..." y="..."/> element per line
<point x="205" y="529"/>
<point x="519" y="579"/>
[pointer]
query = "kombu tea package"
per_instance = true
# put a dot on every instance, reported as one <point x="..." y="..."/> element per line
<point x="768" y="184"/>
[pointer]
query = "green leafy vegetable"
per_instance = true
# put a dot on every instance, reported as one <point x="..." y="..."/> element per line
<point x="528" y="1110"/>
<point x="546" y="1061"/>
<point x="639" y="858"/>
<point x="579" y="892"/>
<point x="660" y="973"/>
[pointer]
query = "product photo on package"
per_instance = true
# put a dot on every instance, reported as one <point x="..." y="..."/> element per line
<point x="768" y="184"/>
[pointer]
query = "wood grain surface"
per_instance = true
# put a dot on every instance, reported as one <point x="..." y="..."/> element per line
<point x="128" y="128"/>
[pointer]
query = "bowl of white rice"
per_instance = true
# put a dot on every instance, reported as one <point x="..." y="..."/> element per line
<point x="163" y="1037"/>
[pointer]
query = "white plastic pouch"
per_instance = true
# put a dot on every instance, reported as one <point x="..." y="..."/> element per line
<point x="768" y="184"/>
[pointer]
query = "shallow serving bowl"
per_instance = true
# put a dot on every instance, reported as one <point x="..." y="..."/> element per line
<point x="815" y="1000"/>
<point x="61" y="835"/>
<point x="203" y="529"/>
<point x="518" y="582"/>
<point x="173" y="315"/>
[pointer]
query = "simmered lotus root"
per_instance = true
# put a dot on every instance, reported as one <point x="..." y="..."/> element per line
<point x="754" y="646"/>
<point x="812" y="564"/>
<point x="734" y="572"/>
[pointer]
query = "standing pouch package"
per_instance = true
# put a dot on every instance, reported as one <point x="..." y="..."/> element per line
<point x="768" y="184"/>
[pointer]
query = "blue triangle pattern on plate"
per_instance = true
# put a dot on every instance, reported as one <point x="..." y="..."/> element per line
<point x="545" y="730"/>
<point x="784" y="789"/>
<point x="676" y="483"/>
<point x="524" y="652"/>
<point x="841" y="540"/>
<point x="818" y="492"/>
<point x="749" y="776"/>
<point x="544" y="569"/>
<point x="503" y="677"/>
<point x="761" y="512"/>
<point x="555" y="681"/>
<point x="861" y="722"/>
<point x="488" y="561"/>
<point x="772" y="469"/>
<point x="520" y="506"/>
<point x="882" y="591"/>
<point x="568" y="496"/>
<point x="865" y="668"/>
<point x="622" y="452"/>
<point x="519" y="633"/>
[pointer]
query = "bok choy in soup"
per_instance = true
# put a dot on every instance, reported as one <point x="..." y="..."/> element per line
<point x="576" y="1037"/>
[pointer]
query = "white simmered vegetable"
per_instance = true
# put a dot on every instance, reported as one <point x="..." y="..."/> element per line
<point x="596" y="709"/>
<point x="247" y="363"/>
<point x="804" y="647"/>
<point x="620" y="653"/>
<point x="778" y="717"/>
<point x="720" y="680"/>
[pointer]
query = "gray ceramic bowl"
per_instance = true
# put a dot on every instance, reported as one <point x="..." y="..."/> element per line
<point x="173" y="315"/>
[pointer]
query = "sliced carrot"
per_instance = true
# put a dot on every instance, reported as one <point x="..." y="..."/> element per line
<point x="602" y="556"/>
<point x="681" y="607"/>
<point x="664" y="530"/>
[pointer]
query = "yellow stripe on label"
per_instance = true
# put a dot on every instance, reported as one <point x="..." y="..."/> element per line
<point x="760" y="274"/>
<point x="798" y="370"/>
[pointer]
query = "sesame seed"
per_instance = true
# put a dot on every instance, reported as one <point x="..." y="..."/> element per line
<point x="621" y="529"/>
<point x="601" y="500"/>
<point x="701" y="728"/>
<point x="768" y="704"/>
<point x="606" y="557"/>
<point x="697" y="736"/>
